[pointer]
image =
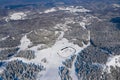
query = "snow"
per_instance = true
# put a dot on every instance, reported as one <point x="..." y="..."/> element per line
<point x="64" y="26"/>
<point x="61" y="35"/>
<point x="74" y="9"/>
<point x="54" y="55"/>
<point x="50" y="10"/>
<point x="73" y="73"/>
<point x="18" y="58"/>
<point x="66" y="52"/>
<point x="50" y="74"/>
<point x="112" y="61"/>
<point x="1" y="69"/>
<point x="86" y="20"/>
<point x="18" y="16"/>
<point x="57" y="53"/>
<point x="25" y="42"/>
<point x="83" y="25"/>
<point x="4" y="38"/>
<point x="116" y="5"/>
<point x="53" y="60"/>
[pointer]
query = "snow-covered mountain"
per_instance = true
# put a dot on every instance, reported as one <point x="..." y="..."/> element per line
<point x="60" y="40"/>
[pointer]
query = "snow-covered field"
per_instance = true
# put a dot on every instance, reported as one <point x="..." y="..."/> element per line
<point x="15" y="16"/>
<point x="112" y="61"/>
<point x="25" y="42"/>
<point x="66" y="52"/>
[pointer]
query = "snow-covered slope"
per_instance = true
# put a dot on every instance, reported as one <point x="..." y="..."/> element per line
<point x="113" y="61"/>
<point x="51" y="58"/>
<point x="15" y="16"/>
<point x="71" y="9"/>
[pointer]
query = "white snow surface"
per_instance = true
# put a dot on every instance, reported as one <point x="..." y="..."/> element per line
<point x="50" y="10"/>
<point x="66" y="52"/>
<point x="64" y="26"/>
<point x="25" y="42"/>
<point x="72" y="9"/>
<point x="17" y="16"/>
<point x="82" y="24"/>
<point x="1" y="69"/>
<point x="53" y="59"/>
<point x="116" y="5"/>
<point x="112" y="61"/>
<point x="4" y="38"/>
